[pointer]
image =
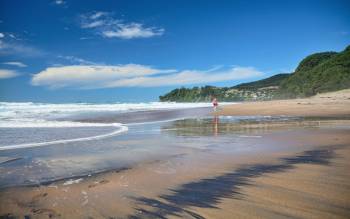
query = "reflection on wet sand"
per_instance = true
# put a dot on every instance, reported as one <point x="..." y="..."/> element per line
<point x="244" y="125"/>
<point x="216" y="125"/>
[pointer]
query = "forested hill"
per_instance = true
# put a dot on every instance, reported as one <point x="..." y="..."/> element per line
<point x="267" y="82"/>
<point x="317" y="73"/>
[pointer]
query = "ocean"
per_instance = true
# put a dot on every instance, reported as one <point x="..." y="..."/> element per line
<point x="41" y="142"/>
<point x="30" y="124"/>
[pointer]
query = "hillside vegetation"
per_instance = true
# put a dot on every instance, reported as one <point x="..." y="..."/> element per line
<point x="317" y="73"/>
<point x="267" y="82"/>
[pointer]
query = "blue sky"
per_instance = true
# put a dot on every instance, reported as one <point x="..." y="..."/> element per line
<point x="108" y="51"/>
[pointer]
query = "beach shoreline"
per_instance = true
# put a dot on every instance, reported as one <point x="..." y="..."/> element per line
<point x="196" y="190"/>
<point x="279" y="163"/>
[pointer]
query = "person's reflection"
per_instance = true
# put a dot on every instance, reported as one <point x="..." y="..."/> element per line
<point x="215" y="125"/>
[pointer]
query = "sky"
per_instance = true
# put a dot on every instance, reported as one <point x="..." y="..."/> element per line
<point x="64" y="51"/>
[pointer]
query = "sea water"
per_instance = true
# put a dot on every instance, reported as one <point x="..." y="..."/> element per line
<point x="42" y="142"/>
<point x="31" y="124"/>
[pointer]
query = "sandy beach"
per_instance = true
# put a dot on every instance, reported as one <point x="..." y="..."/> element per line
<point x="333" y="104"/>
<point x="215" y="168"/>
<point x="174" y="109"/>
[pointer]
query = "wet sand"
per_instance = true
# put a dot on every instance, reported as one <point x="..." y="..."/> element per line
<point x="300" y="171"/>
<point x="314" y="189"/>
<point x="203" y="168"/>
<point x="334" y="104"/>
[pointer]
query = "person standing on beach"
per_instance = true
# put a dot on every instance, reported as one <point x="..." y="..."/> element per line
<point x="215" y="103"/>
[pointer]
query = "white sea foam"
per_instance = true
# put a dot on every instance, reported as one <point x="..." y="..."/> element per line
<point x="120" y="129"/>
<point x="45" y="115"/>
<point x="249" y="136"/>
<point x="49" y="124"/>
<point x="28" y="114"/>
<point x="80" y="107"/>
<point x="72" y="181"/>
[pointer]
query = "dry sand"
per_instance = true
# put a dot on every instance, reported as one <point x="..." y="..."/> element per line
<point x="332" y="104"/>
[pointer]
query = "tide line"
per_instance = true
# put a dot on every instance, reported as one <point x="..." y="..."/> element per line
<point x="31" y="145"/>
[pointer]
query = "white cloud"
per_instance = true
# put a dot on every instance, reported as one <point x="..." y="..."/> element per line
<point x="18" y="64"/>
<point x="105" y="25"/>
<point x="13" y="47"/>
<point x="91" y="76"/>
<point x="132" y="75"/>
<point x="98" y="15"/>
<point x="59" y="2"/>
<point x="12" y="36"/>
<point x="77" y="60"/>
<point x="133" y="30"/>
<point x="5" y="73"/>
<point x="93" y="24"/>
<point x="188" y="77"/>
<point x="2" y="35"/>
<point x="86" y="38"/>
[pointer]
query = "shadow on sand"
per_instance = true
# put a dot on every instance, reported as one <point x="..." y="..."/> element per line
<point x="206" y="193"/>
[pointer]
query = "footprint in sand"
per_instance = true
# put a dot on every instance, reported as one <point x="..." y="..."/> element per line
<point x="85" y="198"/>
<point x="36" y="198"/>
<point x="97" y="183"/>
<point x="50" y="213"/>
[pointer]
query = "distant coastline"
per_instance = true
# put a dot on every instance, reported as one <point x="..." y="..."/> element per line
<point x="317" y="73"/>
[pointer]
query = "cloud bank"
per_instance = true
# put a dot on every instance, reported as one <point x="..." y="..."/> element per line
<point x="105" y="25"/>
<point x="133" y="75"/>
